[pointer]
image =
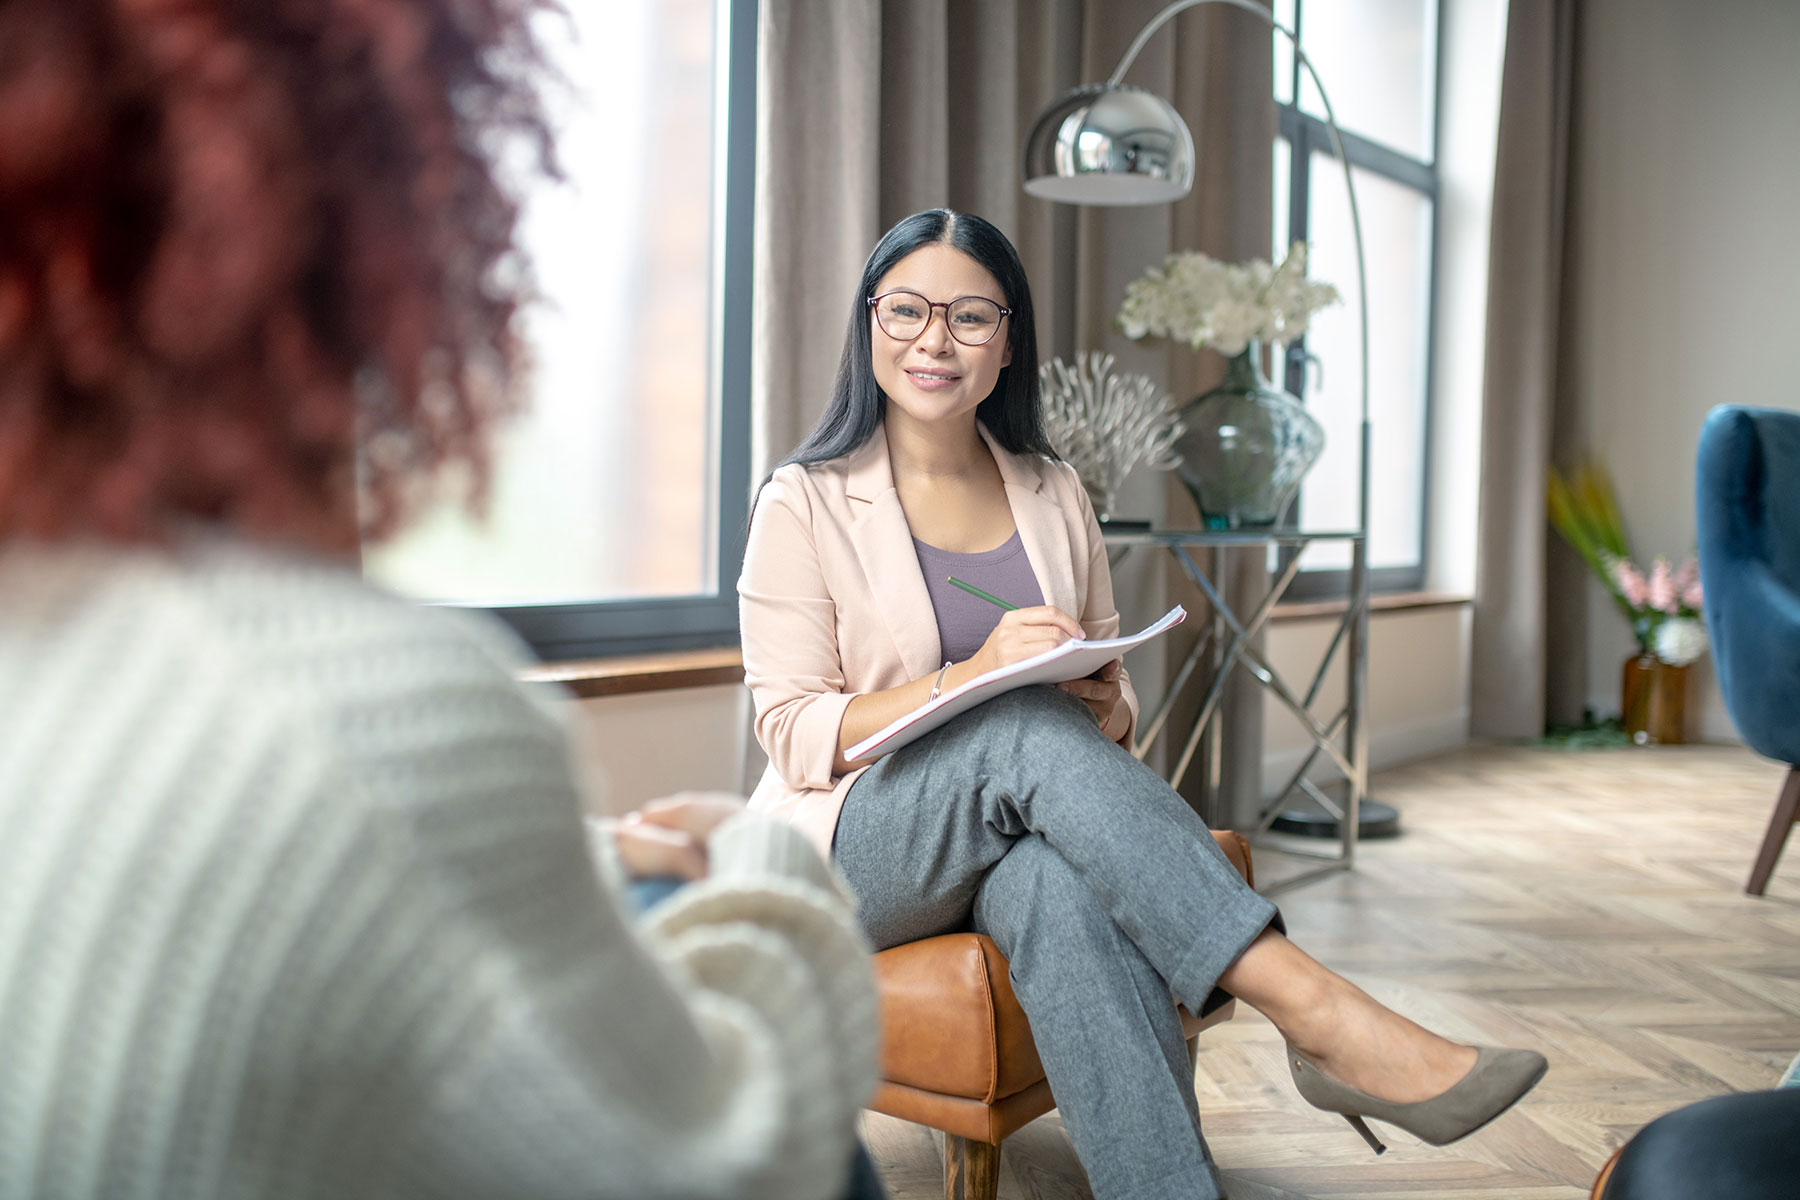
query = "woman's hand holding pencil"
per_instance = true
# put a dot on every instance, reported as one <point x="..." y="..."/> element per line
<point x="1022" y="632"/>
<point x="1025" y="632"/>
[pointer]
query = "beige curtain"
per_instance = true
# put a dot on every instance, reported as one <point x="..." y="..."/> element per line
<point x="868" y="111"/>
<point x="1526" y="670"/>
<point x="872" y="109"/>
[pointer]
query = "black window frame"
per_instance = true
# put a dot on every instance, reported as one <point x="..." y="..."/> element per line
<point x="1306" y="135"/>
<point x="604" y="628"/>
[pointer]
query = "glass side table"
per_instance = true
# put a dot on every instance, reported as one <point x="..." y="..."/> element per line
<point x="1226" y="644"/>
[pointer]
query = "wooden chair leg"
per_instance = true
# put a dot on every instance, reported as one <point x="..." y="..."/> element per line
<point x="971" y="1169"/>
<point x="1787" y="811"/>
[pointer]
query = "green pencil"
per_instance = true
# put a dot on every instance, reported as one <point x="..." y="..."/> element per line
<point x="996" y="601"/>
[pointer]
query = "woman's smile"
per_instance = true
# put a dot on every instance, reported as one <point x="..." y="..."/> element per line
<point x="932" y="379"/>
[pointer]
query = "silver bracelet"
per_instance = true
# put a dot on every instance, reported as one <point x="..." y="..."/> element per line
<point x="937" y="684"/>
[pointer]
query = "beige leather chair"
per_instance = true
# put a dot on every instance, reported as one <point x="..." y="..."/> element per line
<point x="957" y="1053"/>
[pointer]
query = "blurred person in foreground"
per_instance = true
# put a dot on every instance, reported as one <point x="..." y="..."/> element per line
<point x="295" y="899"/>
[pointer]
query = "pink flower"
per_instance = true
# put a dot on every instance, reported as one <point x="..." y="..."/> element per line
<point x="1631" y="583"/>
<point x="1662" y="588"/>
<point x="1693" y="595"/>
<point x="1686" y="574"/>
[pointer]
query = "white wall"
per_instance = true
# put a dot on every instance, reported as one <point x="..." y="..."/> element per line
<point x="1683" y="255"/>
<point x="630" y="749"/>
<point x="1418" y="702"/>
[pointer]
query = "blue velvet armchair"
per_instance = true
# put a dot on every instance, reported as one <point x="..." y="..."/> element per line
<point x="1748" y="490"/>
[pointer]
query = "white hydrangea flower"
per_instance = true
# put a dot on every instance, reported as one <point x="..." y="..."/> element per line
<point x="1204" y="302"/>
<point x="1680" y="641"/>
<point x="1233" y="322"/>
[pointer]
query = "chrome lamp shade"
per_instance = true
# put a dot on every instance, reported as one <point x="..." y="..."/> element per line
<point x="1109" y="144"/>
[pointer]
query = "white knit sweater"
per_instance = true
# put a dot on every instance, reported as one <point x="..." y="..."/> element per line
<point x="294" y="902"/>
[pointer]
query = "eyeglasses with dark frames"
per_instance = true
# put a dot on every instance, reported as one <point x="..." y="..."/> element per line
<point x="971" y="320"/>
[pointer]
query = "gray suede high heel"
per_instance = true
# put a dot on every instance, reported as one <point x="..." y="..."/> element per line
<point x="1494" y="1084"/>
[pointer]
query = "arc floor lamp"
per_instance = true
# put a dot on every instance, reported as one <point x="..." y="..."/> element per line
<point x="1114" y="144"/>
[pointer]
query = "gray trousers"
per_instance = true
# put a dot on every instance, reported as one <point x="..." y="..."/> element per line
<point x="1021" y="820"/>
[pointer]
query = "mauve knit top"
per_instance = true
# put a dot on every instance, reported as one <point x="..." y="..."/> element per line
<point x="964" y="621"/>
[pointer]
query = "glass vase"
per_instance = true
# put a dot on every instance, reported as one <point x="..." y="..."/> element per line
<point x="1247" y="446"/>
<point x="1653" y="701"/>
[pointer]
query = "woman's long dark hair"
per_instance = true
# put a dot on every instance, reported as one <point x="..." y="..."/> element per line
<point x="857" y="405"/>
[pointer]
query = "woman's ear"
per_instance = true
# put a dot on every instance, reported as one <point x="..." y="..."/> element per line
<point x="1006" y="355"/>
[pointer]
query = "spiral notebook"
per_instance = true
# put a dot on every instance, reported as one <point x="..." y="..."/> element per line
<point x="1070" y="660"/>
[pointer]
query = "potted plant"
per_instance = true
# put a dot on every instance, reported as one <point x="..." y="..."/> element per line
<point x="1663" y="605"/>
<point x="1248" y="443"/>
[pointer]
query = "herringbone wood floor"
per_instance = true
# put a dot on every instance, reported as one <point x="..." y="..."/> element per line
<point x="1589" y="905"/>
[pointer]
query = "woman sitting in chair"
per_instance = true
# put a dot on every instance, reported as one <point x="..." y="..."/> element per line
<point x="1026" y="818"/>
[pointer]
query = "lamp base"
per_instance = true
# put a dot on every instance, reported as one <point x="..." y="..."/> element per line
<point x="1304" y="818"/>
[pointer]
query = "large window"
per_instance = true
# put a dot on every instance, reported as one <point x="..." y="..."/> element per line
<point x="619" y="497"/>
<point x="1379" y="59"/>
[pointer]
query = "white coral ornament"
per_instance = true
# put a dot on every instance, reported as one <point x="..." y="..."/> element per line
<point x="1106" y="425"/>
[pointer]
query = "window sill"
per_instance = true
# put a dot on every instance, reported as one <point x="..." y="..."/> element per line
<point x="589" y="678"/>
<point x="1313" y="610"/>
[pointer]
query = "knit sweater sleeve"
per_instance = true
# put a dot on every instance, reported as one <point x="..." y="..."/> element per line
<point x="296" y="903"/>
<point x="721" y="1049"/>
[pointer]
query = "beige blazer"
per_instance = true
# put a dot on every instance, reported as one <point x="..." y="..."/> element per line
<point x="832" y="604"/>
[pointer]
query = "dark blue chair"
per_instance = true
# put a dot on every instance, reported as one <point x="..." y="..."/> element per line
<point x="1747" y="486"/>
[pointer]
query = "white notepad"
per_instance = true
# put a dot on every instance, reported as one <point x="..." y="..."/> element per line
<point x="1070" y="660"/>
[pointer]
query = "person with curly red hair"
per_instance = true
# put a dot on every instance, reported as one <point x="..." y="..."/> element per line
<point x="295" y="896"/>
